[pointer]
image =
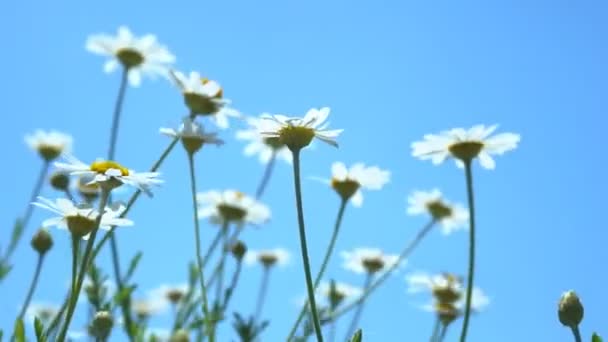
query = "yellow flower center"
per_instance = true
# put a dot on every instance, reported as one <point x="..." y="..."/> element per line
<point x="447" y="313"/>
<point x="267" y="259"/>
<point x="201" y="104"/>
<point x="296" y="137"/>
<point x="438" y="210"/>
<point x="129" y="58"/>
<point x="466" y="150"/>
<point x="49" y="152"/>
<point x="274" y="143"/>
<point x="79" y="225"/>
<point x="102" y="166"/>
<point x="231" y="213"/>
<point x="373" y="265"/>
<point x="346" y="188"/>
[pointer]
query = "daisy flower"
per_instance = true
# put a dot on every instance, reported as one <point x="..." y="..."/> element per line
<point x="348" y="183"/>
<point x="265" y="147"/>
<point x="268" y="257"/>
<point x="173" y="294"/>
<point x="49" y="145"/>
<point x="110" y="173"/>
<point x="339" y="292"/>
<point x="139" y="56"/>
<point x="204" y="97"/>
<point x="45" y="312"/>
<point x="452" y="216"/>
<point x="298" y="133"/>
<point x="231" y="206"/>
<point x="445" y="287"/>
<point x="465" y="145"/>
<point x="448" y="312"/>
<point x="81" y="220"/>
<point x="192" y="135"/>
<point x="368" y="260"/>
<point x="145" y="308"/>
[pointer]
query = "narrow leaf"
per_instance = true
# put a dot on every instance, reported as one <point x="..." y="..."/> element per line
<point x="39" y="329"/>
<point x="19" y="331"/>
<point x="15" y="235"/>
<point x="357" y="337"/>
<point x="132" y="266"/>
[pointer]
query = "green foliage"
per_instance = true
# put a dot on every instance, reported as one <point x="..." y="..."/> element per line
<point x="19" y="332"/>
<point x="357" y="337"/>
<point x="596" y="338"/>
<point x="39" y="330"/>
<point x="248" y="330"/>
<point x="132" y="266"/>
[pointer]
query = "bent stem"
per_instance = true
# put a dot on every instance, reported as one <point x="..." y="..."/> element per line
<point x="33" y="285"/>
<point x="328" y="253"/>
<point x="470" y="279"/>
<point x="357" y="315"/>
<point x="577" y="334"/>
<point x="409" y="248"/>
<point x="86" y="259"/>
<point x="303" y="247"/>
<point x="198" y="248"/>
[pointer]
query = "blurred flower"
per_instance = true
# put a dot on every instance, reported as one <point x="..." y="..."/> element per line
<point x="110" y="174"/>
<point x="49" y="145"/>
<point x="231" y="206"/>
<point x="264" y="147"/>
<point x="445" y="287"/>
<point x="299" y="132"/>
<point x="268" y="257"/>
<point x="80" y="220"/>
<point x="204" y="97"/>
<point x="105" y="290"/>
<point x="145" y="308"/>
<point x="338" y="293"/>
<point x="192" y="135"/>
<point x="87" y="190"/>
<point x="44" y="311"/>
<point x="451" y="216"/>
<point x="479" y="301"/>
<point x="172" y="294"/>
<point x="139" y="55"/>
<point x="349" y="182"/>
<point x="465" y="145"/>
<point x="157" y="335"/>
<point x="368" y="260"/>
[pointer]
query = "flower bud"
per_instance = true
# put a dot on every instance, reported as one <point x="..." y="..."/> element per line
<point x="42" y="241"/>
<point x="346" y="188"/>
<point x="180" y="336"/>
<point x="570" y="310"/>
<point x="238" y="250"/>
<point x="60" y="181"/>
<point x="102" y="325"/>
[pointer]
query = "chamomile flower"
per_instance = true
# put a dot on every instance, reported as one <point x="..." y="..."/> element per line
<point x="110" y="174"/>
<point x="81" y="220"/>
<point x="231" y="206"/>
<point x="368" y="260"/>
<point x="268" y="257"/>
<point x="448" y="312"/>
<point x="204" y="97"/>
<point x="173" y="294"/>
<point x="298" y="133"/>
<point x="451" y="216"/>
<point x="192" y="135"/>
<point x="445" y="287"/>
<point x="45" y="312"/>
<point x="145" y="308"/>
<point x="339" y="292"/>
<point x="348" y="183"/>
<point x="465" y="145"/>
<point x="265" y="147"/>
<point x="49" y="145"/>
<point x="140" y="56"/>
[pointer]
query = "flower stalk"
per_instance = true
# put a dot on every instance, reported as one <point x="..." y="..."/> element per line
<point x="471" y="272"/>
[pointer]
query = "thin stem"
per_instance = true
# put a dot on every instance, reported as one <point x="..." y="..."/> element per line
<point x="328" y="253"/>
<point x="68" y="194"/>
<point x="213" y="246"/>
<point x="577" y="334"/>
<point x="55" y="322"/>
<point x="233" y="283"/>
<point x="29" y="209"/>
<point x="444" y="330"/>
<point x="83" y="266"/>
<point x="470" y="280"/>
<point x="409" y="248"/>
<point x="357" y="316"/>
<point x="262" y="293"/>
<point x="220" y="283"/>
<point x="33" y="285"/>
<point x="117" y="111"/>
<point x="198" y="246"/>
<point x="135" y="196"/>
<point x="303" y="247"/>
<point x="436" y="328"/>
<point x="266" y="176"/>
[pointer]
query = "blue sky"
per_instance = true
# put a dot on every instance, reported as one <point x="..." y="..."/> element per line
<point x="391" y="71"/>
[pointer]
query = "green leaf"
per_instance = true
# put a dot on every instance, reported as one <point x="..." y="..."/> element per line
<point x="123" y="294"/>
<point x="19" y="331"/>
<point x="39" y="329"/>
<point x="15" y="236"/>
<point x="357" y="337"/>
<point x="596" y="338"/>
<point x="132" y="266"/>
<point x="4" y="270"/>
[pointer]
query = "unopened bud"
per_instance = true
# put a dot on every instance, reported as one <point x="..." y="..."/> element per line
<point x="180" y="336"/>
<point x="42" y="241"/>
<point x="102" y="324"/>
<point x="60" y="181"/>
<point x="570" y="310"/>
<point x="238" y="250"/>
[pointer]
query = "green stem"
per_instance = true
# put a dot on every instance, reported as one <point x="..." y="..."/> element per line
<point x="303" y="247"/>
<point x="33" y="285"/>
<point x="233" y="283"/>
<point x="577" y="334"/>
<point x="213" y="246"/>
<point x="357" y="315"/>
<point x="83" y="266"/>
<point x="198" y="247"/>
<point x="409" y="248"/>
<point x="266" y="176"/>
<point x="444" y="330"/>
<point x="135" y="196"/>
<point x="436" y="328"/>
<point x="470" y="279"/>
<point x="220" y="283"/>
<point x="328" y="253"/>
<point x="55" y="322"/>
<point x="117" y="112"/>
<point x="262" y="293"/>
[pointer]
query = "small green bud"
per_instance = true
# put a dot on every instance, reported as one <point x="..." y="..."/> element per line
<point x="570" y="310"/>
<point x="42" y="241"/>
<point x="180" y="336"/>
<point x="60" y="181"/>
<point x="238" y="250"/>
<point x="102" y="324"/>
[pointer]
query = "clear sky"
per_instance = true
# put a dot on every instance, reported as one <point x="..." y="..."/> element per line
<point x="391" y="71"/>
